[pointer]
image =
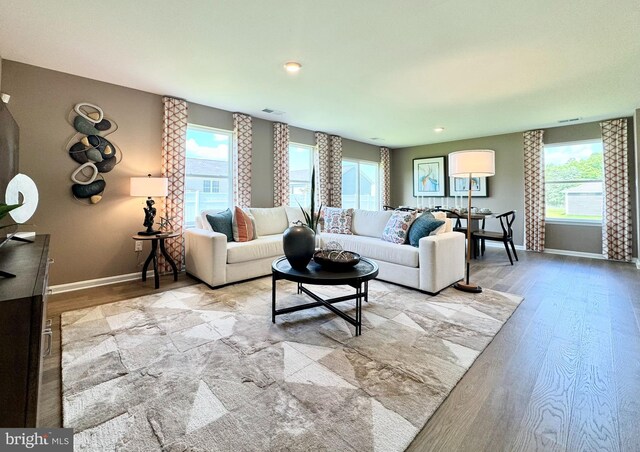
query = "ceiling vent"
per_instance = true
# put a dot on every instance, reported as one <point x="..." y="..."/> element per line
<point x="564" y="121"/>
<point x="273" y="112"/>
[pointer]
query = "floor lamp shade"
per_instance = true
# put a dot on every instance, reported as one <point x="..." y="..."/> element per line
<point x="477" y="163"/>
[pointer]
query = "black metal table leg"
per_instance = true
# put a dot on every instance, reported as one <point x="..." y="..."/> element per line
<point x="154" y="250"/>
<point x="273" y="298"/>
<point x="154" y="245"/>
<point x="163" y="250"/>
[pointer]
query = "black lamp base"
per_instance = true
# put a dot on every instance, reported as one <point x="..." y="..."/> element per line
<point x="152" y="232"/>
<point x="473" y="288"/>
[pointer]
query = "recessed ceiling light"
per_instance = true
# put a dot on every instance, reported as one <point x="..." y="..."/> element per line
<point x="292" y="67"/>
<point x="438" y="129"/>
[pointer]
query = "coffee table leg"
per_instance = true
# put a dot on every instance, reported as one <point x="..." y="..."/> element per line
<point x="366" y="291"/>
<point x="358" y="309"/>
<point x="273" y="298"/>
<point x="156" y="276"/>
<point x="299" y="288"/>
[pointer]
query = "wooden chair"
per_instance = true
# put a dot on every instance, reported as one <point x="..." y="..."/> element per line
<point x="506" y="236"/>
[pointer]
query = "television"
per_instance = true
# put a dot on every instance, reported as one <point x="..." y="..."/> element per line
<point x="9" y="141"/>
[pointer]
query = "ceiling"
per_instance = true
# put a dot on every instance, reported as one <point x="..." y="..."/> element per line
<point x="392" y="70"/>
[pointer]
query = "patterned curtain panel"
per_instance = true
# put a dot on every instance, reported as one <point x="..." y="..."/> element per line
<point x="336" y="171"/>
<point x="534" y="190"/>
<point x="280" y="164"/>
<point x="385" y="168"/>
<point x="174" y="151"/>
<point x="242" y="146"/>
<point x="616" y="224"/>
<point x="323" y="172"/>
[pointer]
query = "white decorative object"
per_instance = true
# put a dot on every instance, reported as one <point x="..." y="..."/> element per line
<point x="79" y="170"/>
<point x="22" y="184"/>
<point x="5" y="97"/>
<point x="86" y="115"/>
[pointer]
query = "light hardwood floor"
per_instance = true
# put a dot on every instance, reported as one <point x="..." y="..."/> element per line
<point x="562" y="374"/>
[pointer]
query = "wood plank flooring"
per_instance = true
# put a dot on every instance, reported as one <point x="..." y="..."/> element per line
<point x="563" y="374"/>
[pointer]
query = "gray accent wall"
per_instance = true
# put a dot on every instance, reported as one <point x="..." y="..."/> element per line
<point x="506" y="188"/>
<point x="94" y="241"/>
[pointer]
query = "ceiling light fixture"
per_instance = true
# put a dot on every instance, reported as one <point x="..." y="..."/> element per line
<point x="438" y="129"/>
<point x="292" y="67"/>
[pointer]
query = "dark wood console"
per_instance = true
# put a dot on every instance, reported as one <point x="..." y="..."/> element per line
<point x="25" y="336"/>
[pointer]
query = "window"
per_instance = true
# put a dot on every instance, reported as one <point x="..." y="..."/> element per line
<point x="211" y="186"/>
<point x="573" y="181"/>
<point x="360" y="185"/>
<point x="208" y="171"/>
<point x="300" y="167"/>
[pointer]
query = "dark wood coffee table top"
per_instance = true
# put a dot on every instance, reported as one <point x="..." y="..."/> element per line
<point x="365" y="270"/>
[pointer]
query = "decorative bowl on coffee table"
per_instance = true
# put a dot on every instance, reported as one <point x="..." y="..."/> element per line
<point x="336" y="260"/>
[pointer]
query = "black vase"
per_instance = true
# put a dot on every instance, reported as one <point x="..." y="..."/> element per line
<point x="299" y="243"/>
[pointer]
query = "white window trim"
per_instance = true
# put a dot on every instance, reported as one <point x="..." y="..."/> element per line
<point x="357" y="162"/>
<point x="572" y="221"/>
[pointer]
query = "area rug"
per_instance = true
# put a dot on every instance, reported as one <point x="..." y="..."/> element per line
<point x="197" y="369"/>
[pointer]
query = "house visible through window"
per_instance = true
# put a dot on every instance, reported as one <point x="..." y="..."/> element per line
<point x="211" y="186"/>
<point x="360" y="185"/>
<point x="208" y="171"/>
<point x="300" y="167"/>
<point x="573" y="181"/>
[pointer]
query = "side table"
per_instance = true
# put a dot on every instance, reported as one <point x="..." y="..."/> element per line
<point x="153" y="255"/>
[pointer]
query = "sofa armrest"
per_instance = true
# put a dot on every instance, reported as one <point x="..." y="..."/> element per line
<point x="206" y="255"/>
<point x="442" y="260"/>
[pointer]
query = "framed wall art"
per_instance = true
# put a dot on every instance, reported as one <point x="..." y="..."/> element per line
<point x="429" y="177"/>
<point x="459" y="186"/>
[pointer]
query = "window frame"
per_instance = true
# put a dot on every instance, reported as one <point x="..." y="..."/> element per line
<point x="358" y="162"/>
<point x="312" y="159"/>
<point x="571" y="221"/>
<point x="190" y="223"/>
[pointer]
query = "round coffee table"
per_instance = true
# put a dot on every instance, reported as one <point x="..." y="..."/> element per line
<point x="358" y="278"/>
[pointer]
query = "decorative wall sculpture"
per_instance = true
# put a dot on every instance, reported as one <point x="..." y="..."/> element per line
<point x="89" y="147"/>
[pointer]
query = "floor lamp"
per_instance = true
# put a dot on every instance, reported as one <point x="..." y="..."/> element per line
<point x="475" y="163"/>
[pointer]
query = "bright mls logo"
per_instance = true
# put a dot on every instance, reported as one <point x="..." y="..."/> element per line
<point x="49" y="439"/>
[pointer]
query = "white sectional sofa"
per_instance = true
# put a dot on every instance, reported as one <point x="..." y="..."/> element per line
<point x="438" y="262"/>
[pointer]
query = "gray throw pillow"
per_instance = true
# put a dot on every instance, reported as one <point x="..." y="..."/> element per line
<point x="222" y="222"/>
<point x="424" y="225"/>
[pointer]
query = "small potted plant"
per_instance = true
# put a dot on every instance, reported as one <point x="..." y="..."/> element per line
<point x="299" y="241"/>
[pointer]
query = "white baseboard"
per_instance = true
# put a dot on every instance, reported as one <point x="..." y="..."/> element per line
<point x="489" y="244"/>
<point x="60" y="288"/>
<point x="574" y="253"/>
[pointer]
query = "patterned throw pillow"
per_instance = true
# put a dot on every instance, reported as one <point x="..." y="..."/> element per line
<point x="243" y="226"/>
<point x="424" y="225"/>
<point x="337" y="221"/>
<point x="397" y="228"/>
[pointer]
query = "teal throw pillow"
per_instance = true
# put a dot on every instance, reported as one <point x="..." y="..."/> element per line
<point x="222" y="222"/>
<point x="424" y="225"/>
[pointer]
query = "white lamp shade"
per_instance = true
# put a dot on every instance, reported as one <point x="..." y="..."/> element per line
<point x="149" y="186"/>
<point x="477" y="163"/>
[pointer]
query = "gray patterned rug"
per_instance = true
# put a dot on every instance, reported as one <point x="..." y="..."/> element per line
<point x="195" y="369"/>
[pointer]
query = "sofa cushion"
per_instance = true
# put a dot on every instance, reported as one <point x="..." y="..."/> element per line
<point x="337" y="221"/>
<point x="263" y="247"/>
<point x="397" y="228"/>
<point x="270" y="220"/>
<point x="294" y="214"/>
<point x="222" y="223"/>
<point x="370" y="223"/>
<point x="424" y="225"/>
<point x="375" y="248"/>
<point x="201" y="219"/>
<point x="243" y="226"/>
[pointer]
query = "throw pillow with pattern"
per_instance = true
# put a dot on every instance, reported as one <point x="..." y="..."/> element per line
<point x="337" y="221"/>
<point x="243" y="226"/>
<point x="397" y="228"/>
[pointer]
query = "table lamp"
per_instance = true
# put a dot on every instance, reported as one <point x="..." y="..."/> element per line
<point x="472" y="163"/>
<point x="149" y="187"/>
